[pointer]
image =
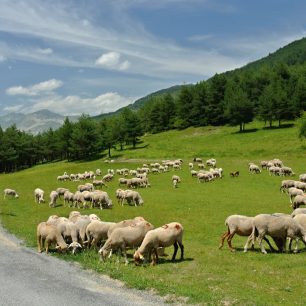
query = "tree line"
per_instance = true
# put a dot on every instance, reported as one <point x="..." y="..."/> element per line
<point x="269" y="94"/>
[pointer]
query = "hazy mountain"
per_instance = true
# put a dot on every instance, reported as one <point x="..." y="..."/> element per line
<point x="34" y="122"/>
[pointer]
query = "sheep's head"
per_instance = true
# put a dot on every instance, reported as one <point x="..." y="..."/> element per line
<point x="103" y="253"/>
<point x="74" y="246"/>
<point x="61" y="248"/>
<point x="138" y="258"/>
<point x="16" y="196"/>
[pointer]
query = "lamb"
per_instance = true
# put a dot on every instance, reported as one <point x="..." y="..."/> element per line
<point x="39" y="195"/>
<point x="298" y="201"/>
<point x="279" y="227"/>
<point x="167" y="235"/>
<point x="240" y="225"/>
<point x="133" y="197"/>
<point x="120" y="238"/>
<point x="10" y="192"/>
<point x="102" y="199"/>
<point x="53" y="198"/>
<point x="47" y="234"/>
<point x="96" y="231"/>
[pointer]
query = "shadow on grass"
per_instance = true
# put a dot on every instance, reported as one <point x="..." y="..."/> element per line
<point x="283" y="126"/>
<point x="7" y="214"/>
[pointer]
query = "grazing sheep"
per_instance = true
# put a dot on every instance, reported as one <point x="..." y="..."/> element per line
<point x="287" y="171"/>
<point x="298" y="201"/>
<point x="176" y="177"/>
<point x="39" y="195"/>
<point x="240" y="225"/>
<point x="133" y="197"/>
<point x="234" y="174"/>
<point x="293" y="192"/>
<point x="78" y="198"/>
<point x="121" y="238"/>
<point x="193" y="173"/>
<point x="201" y="166"/>
<point x="190" y="165"/>
<point x="279" y="227"/>
<point x="96" y="231"/>
<point x="60" y="191"/>
<point x="47" y="234"/>
<point x="300" y="185"/>
<point x="175" y="183"/>
<point x="264" y="164"/>
<point x="122" y="181"/>
<point x="81" y="222"/>
<point x="204" y="177"/>
<point x="53" y="198"/>
<point x="102" y="199"/>
<point x="68" y="198"/>
<point x="302" y="177"/>
<point x="298" y="211"/>
<point x="197" y="160"/>
<point x="301" y="220"/>
<point x="167" y="235"/>
<point x="98" y="183"/>
<point x="254" y="169"/>
<point x="98" y="172"/>
<point x="125" y="223"/>
<point x="286" y="184"/>
<point x="120" y="194"/>
<point x="85" y="187"/>
<point x="211" y="162"/>
<point x="275" y="170"/>
<point x="69" y="232"/>
<point x="10" y="192"/>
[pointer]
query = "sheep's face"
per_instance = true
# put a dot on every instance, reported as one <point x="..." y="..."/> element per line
<point x="103" y="254"/>
<point x="74" y="246"/>
<point x="138" y="258"/>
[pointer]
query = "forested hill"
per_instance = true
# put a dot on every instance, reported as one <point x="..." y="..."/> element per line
<point x="173" y="90"/>
<point x="291" y="54"/>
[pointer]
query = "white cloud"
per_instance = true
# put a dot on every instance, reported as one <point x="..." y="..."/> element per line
<point x="13" y="109"/>
<point x="75" y="105"/>
<point x="45" y="51"/>
<point x="36" y="89"/>
<point x="110" y="59"/>
<point x="2" y="58"/>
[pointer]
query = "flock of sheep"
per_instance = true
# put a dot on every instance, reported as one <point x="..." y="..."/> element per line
<point x="82" y="231"/>
<point x="279" y="226"/>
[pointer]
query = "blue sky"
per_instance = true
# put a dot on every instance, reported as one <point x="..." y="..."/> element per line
<point x="86" y="56"/>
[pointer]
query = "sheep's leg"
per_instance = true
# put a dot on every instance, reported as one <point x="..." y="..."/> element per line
<point x="39" y="246"/>
<point x="296" y="250"/>
<point x="110" y="253"/>
<point x="260" y="238"/>
<point x="47" y="244"/>
<point x="175" y="250"/>
<point x="155" y="258"/>
<point x="222" y="239"/>
<point x="277" y="242"/>
<point x="182" y="249"/>
<point x="125" y="256"/>
<point x="229" y="241"/>
<point x="250" y="238"/>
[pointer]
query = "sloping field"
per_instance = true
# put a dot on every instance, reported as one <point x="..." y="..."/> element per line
<point x="207" y="275"/>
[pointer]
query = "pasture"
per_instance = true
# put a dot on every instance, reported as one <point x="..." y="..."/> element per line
<point x="207" y="275"/>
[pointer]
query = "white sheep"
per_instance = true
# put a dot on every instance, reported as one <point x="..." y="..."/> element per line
<point x="133" y="197"/>
<point x="53" y="198"/>
<point x="39" y="195"/>
<point x="298" y="201"/>
<point x="120" y="238"/>
<point x="102" y="199"/>
<point x="10" y="192"/>
<point x="167" y="235"/>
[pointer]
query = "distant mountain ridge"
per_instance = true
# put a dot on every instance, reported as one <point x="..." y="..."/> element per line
<point x="36" y="122"/>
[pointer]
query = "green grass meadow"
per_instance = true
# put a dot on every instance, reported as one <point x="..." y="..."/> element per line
<point x="207" y="275"/>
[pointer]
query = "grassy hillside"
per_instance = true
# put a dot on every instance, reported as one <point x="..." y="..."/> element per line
<point x="207" y="275"/>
